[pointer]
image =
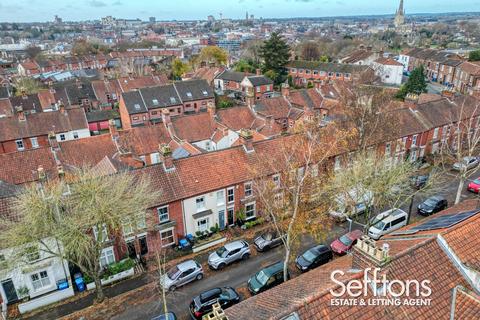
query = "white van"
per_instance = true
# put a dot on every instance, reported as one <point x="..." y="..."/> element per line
<point x="352" y="203"/>
<point x="387" y="222"/>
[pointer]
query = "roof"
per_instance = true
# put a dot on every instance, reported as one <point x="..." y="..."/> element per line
<point x="328" y="66"/>
<point x="277" y="107"/>
<point x="78" y="91"/>
<point x="194" y="90"/>
<point x="102" y="115"/>
<point x="92" y="151"/>
<point x="358" y="55"/>
<point x="195" y="127"/>
<point x="27" y="102"/>
<point x="259" y="80"/>
<point x="236" y="118"/>
<point x="470" y="68"/>
<point x="41" y="123"/>
<point x="144" y="140"/>
<point x="310" y="98"/>
<point x="467" y="304"/>
<point x="6" y="107"/>
<point x="388" y="62"/>
<point x="232" y="76"/>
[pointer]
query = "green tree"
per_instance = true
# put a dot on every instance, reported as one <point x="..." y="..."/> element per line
<point x="275" y="53"/>
<point x="77" y="214"/>
<point x="245" y="65"/>
<point x="474" y="55"/>
<point x="416" y="84"/>
<point x="26" y="85"/>
<point x="215" y="55"/>
<point x="179" y="68"/>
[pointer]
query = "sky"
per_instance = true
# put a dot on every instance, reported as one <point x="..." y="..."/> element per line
<point x="44" y="10"/>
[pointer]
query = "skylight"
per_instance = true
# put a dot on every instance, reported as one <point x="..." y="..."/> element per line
<point x="137" y="106"/>
<point x="189" y="94"/>
<point x="205" y="93"/>
<point x="173" y="100"/>
<point x="155" y="102"/>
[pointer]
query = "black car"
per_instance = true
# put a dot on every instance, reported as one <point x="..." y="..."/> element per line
<point x="267" y="278"/>
<point x="432" y="205"/>
<point x="419" y="181"/>
<point x="203" y="303"/>
<point x="267" y="241"/>
<point x="313" y="257"/>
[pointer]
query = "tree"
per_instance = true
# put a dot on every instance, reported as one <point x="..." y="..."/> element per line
<point x="474" y="55"/>
<point x="253" y="51"/>
<point x="415" y="84"/>
<point x="83" y="48"/>
<point x="291" y="202"/>
<point x="26" y="85"/>
<point x="81" y="212"/>
<point x="275" y="54"/>
<point x="246" y="65"/>
<point x="179" y="68"/>
<point x="33" y="51"/>
<point x="212" y="54"/>
<point x="310" y="51"/>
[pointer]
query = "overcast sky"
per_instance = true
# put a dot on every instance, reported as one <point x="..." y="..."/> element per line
<point x="43" y="10"/>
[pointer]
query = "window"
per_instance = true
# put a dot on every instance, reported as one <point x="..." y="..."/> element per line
<point x="276" y="180"/>
<point x="203" y="225"/>
<point x="107" y="257"/>
<point x="32" y="253"/>
<point x="258" y="89"/>
<point x="220" y="198"/>
<point x="155" y="102"/>
<point x="248" y="189"/>
<point x="163" y="214"/>
<point x="205" y="93"/>
<point x="34" y="142"/>
<point x="337" y="164"/>
<point x="268" y="88"/>
<point x="388" y="149"/>
<point x="135" y="118"/>
<point x="136" y="106"/>
<point x="167" y="238"/>
<point x="314" y="170"/>
<point x="127" y="228"/>
<point x="62" y="137"/>
<point x="103" y="236"/>
<point x="230" y="195"/>
<point x="173" y="100"/>
<point x="250" y="210"/>
<point x="155" y="158"/>
<point x="40" y="280"/>
<point x="75" y="135"/>
<point x="414" y="140"/>
<point x="200" y="203"/>
<point x="20" y="145"/>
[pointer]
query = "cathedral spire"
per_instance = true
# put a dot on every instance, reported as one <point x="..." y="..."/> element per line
<point x="400" y="8"/>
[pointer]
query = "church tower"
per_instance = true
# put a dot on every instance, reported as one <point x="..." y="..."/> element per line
<point x="399" y="16"/>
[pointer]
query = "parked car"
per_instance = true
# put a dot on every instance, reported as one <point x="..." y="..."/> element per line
<point x="343" y="244"/>
<point x="266" y="278"/>
<point x="474" y="186"/>
<point x="181" y="274"/>
<point x="387" y="222"/>
<point x="467" y="162"/>
<point x="230" y="252"/>
<point x="432" y="205"/>
<point x="267" y="241"/>
<point x="313" y="257"/>
<point x="203" y="303"/>
<point x="166" y="316"/>
<point x="355" y="202"/>
<point x="418" y="182"/>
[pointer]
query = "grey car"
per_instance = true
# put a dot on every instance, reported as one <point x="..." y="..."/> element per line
<point x="182" y="274"/>
<point x="267" y="241"/>
<point x="230" y="252"/>
<point x="466" y="163"/>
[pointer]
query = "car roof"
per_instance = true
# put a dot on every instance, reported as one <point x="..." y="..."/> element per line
<point x="437" y="198"/>
<point x="185" y="265"/>
<point x="354" y="234"/>
<point x="233" y="245"/>
<point x="273" y="268"/>
<point x="389" y="214"/>
<point x="209" y="294"/>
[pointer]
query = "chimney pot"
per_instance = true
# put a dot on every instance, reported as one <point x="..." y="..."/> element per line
<point x="20" y="113"/>
<point x="211" y="109"/>
<point x="247" y="139"/>
<point x="285" y="90"/>
<point x="112" y="128"/>
<point x="166" y="117"/>
<point x="166" y="156"/>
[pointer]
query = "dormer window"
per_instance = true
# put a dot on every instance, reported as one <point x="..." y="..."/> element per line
<point x="155" y="102"/>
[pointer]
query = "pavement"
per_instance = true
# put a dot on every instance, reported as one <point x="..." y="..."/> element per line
<point x="235" y="275"/>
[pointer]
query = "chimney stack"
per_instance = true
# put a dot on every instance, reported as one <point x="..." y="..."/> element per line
<point x="211" y="109"/>
<point x="52" y="140"/>
<point x="411" y="101"/>
<point x="247" y="140"/>
<point x="166" y="117"/>
<point x="285" y="90"/>
<point x="61" y="108"/>
<point x="166" y="157"/>
<point x="112" y="127"/>
<point x="367" y="255"/>
<point x="20" y="113"/>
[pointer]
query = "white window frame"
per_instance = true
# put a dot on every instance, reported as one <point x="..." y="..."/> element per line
<point x="254" y="210"/>
<point x="42" y="282"/>
<point x="34" y="142"/>
<point x="20" y="145"/>
<point x="220" y="198"/>
<point x="162" y="239"/>
<point x="163" y="214"/>
<point x="62" y="137"/>
<point x="248" y="189"/>
<point x="107" y="257"/>
<point x="338" y="164"/>
<point x="276" y="180"/>
<point x="155" y="158"/>
<point x="200" y="224"/>
<point x="104" y="232"/>
<point x="232" y="190"/>
<point x="75" y="135"/>
<point x="414" y="140"/>
<point x="314" y="170"/>
<point x="200" y="204"/>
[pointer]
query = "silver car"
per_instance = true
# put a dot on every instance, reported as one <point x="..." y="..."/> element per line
<point x="230" y="252"/>
<point x="467" y="163"/>
<point x="181" y="274"/>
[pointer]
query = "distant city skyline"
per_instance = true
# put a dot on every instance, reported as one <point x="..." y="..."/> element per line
<point x="41" y="10"/>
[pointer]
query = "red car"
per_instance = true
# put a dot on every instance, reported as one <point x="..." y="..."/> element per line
<point x="474" y="186"/>
<point x="346" y="242"/>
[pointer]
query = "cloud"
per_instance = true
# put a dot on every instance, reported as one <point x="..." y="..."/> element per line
<point x="97" y="3"/>
<point x="117" y="3"/>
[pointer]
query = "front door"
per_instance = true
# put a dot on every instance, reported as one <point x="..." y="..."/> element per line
<point x="10" y="291"/>
<point x="143" y="245"/>
<point x="230" y="216"/>
<point x="132" y="253"/>
<point x="221" y="219"/>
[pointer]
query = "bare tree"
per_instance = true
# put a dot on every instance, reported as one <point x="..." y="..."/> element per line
<point x="290" y="180"/>
<point x="82" y="212"/>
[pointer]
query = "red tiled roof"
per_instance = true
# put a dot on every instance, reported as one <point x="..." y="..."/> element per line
<point x="310" y="98"/>
<point x="86" y="152"/>
<point x="388" y="62"/>
<point x="6" y="107"/>
<point x="195" y="127"/>
<point x="278" y="107"/>
<point x="467" y="305"/>
<point x="47" y="99"/>
<point x="144" y="140"/>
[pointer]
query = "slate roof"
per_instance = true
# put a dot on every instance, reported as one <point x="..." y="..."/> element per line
<point x="194" y="90"/>
<point x="28" y="102"/>
<point x="259" y="80"/>
<point x="76" y="92"/>
<point x="328" y="66"/>
<point x="232" y="76"/>
<point x="102" y="115"/>
<point x="165" y="96"/>
<point x="4" y="92"/>
<point x="134" y="102"/>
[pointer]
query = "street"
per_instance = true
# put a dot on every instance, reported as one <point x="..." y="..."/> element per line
<point x="237" y="274"/>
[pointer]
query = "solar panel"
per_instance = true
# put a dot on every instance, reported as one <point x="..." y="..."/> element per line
<point x="444" y="221"/>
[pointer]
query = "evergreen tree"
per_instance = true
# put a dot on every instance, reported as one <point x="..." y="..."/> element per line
<point x="474" y="55"/>
<point x="416" y="83"/>
<point x="275" y="53"/>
